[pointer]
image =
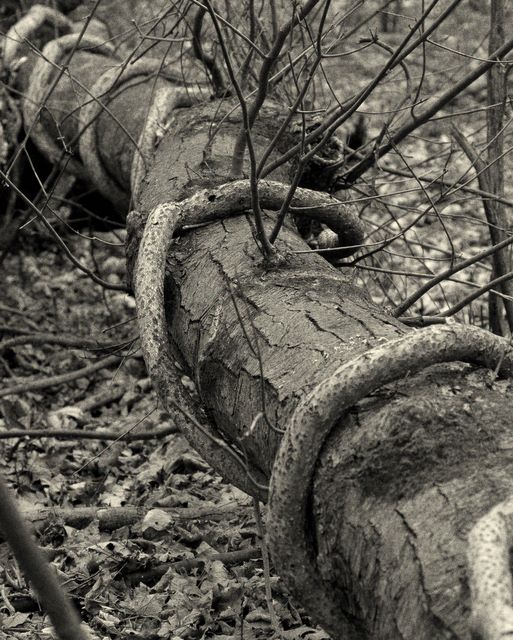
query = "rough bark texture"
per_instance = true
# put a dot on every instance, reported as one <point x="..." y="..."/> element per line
<point x="404" y="476"/>
<point x="391" y="505"/>
<point x="406" y="502"/>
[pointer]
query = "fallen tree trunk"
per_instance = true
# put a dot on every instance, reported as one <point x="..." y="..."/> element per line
<point x="401" y="480"/>
<point x="403" y="477"/>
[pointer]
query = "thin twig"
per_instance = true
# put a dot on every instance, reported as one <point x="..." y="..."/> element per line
<point x="412" y="299"/>
<point x="60" y="241"/>
<point x="266" y="247"/>
<point x="79" y="434"/>
<point x="29" y="384"/>
<point x="267" y="570"/>
<point x="207" y="59"/>
<point x="500" y="259"/>
<point x="266" y="69"/>
<point x="341" y="114"/>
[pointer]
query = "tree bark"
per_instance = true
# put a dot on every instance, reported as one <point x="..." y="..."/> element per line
<point x="404" y="476"/>
<point x="402" y="479"/>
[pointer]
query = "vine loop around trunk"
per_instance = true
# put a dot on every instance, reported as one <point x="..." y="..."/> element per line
<point x="162" y="223"/>
<point x="40" y="89"/>
<point x="488" y="559"/>
<point x="178" y="96"/>
<point x="289" y="521"/>
<point x="166" y="100"/>
<point x="15" y="41"/>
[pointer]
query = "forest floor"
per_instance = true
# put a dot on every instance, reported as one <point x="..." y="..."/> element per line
<point x="164" y="548"/>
